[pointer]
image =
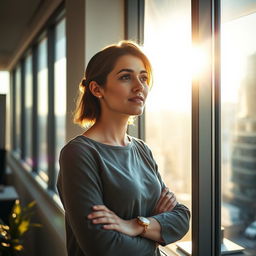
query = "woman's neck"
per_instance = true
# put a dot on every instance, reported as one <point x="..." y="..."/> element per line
<point x="109" y="132"/>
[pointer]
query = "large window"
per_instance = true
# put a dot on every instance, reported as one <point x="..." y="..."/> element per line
<point x="238" y="47"/>
<point x="42" y="89"/>
<point x="28" y="109"/>
<point x="60" y="87"/>
<point x="39" y="100"/>
<point x="167" y="42"/>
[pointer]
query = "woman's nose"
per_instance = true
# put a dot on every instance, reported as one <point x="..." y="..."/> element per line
<point x="138" y="86"/>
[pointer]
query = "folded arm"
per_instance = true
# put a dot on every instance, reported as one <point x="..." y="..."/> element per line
<point x="169" y="224"/>
<point x="80" y="189"/>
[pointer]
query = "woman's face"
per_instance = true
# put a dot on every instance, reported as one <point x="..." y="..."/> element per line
<point x="126" y="88"/>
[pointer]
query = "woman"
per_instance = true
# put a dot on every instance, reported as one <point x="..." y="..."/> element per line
<point x="114" y="199"/>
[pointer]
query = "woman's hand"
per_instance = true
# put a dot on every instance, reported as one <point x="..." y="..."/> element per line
<point x="102" y="215"/>
<point x="166" y="202"/>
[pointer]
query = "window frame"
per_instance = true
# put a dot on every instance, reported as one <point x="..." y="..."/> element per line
<point x="44" y="175"/>
<point x="17" y="103"/>
<point x="35" y="146"/>
<point x="48" y="31"/>
<point x="51" y="138"/>
<point x="206" y="150"/>
<point x="56" y="147"/>
<point x="206" y="145"/>
<point x="13" y="109"/>
<point x="22" y="119"/>
<point x="25" y="124"/>
<point x="134" y="30"/>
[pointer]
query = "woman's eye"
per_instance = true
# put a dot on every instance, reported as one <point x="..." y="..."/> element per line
<point x="144" y="79"/>
<point x="125" y="77"/>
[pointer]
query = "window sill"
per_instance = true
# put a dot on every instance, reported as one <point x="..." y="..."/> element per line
<point x="172" y="250"/>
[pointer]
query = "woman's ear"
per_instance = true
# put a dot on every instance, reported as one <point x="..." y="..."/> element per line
<point x="95" y="89"/>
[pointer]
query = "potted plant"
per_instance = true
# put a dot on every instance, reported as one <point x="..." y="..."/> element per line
<point x="11" y="235"/>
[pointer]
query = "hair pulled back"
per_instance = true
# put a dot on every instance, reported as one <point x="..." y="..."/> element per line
<point x="101" y="64"/>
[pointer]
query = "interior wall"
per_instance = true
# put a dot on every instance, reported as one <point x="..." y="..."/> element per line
<point x="75" y="31"/>
<point x="91" y="25"/>
<point x="104" y="25"/>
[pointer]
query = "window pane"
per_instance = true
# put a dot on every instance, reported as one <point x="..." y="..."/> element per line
<point x="42" y="77"/>
<point x="18" y="109"/>
<point x="4" y="86"/>
<point x="238" y="89"/>
<point x="60" y="88"/>
<point x="167" y="42"/>
<point x="28" y="109"/>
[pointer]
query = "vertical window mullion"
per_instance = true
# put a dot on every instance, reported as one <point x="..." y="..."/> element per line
<point x="34" y="110"/>
<point x="205" y="171"/>
<point x="140" y="39"/>
<point x="217" y="127"/>
<point x="13" y="104"/>
<point x="51" y="144"/>
<point x="134" y="30"/>
<point x="22" y="119"/>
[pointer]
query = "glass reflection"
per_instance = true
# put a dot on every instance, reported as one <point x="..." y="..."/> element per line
<point x="60" y="88"/>
<point x="238" y="48"/>
<point x="42" y="78"/>
<point x="18" y="109"/>
<point x="28" y="109"/>
<point x="167" y="43"/>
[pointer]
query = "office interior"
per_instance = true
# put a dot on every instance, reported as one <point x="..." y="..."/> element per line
<point x="200" y="118"/>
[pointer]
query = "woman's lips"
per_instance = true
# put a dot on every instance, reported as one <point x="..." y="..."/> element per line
<point x="137" y="99"/>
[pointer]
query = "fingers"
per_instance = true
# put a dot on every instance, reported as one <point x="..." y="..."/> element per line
<point x="162" y="196"/>
<point x="100" y="208"/>
<point x="104" y="220"/>
<point x="99" y="214"/>
<point x="99" y="211"/>
<point x="102" y="215"/>
<point x="166" y="202"/>
<point x="169" y="201"/>
<point x="111" y="221"/>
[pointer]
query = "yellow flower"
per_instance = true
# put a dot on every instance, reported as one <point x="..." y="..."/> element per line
<point x="31" y="204"/>
<point x="4" y="227"/>
<point x="17" y="208"/>
<point x="5" y="244"/>
<point x="3" y="233"/>
<point x="18" y="247"/>
<point x="23" y="227"/>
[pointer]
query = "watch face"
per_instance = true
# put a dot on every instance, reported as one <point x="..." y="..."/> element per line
<point x="144" y="220"/>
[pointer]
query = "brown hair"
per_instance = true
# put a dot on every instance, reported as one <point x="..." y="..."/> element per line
<point x="101" y="64"/>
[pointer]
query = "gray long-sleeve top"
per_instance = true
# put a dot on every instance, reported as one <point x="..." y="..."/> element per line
<point x="126" y="180"/>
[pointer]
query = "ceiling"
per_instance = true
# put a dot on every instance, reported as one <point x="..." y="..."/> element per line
<point x="16" y="18"/>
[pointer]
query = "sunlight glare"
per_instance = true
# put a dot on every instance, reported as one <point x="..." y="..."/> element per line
<point x="198" y="61"/>
<point x="236" y="34"/>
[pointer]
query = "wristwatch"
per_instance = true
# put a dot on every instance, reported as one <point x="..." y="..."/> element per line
<point x="144" y="222"/>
